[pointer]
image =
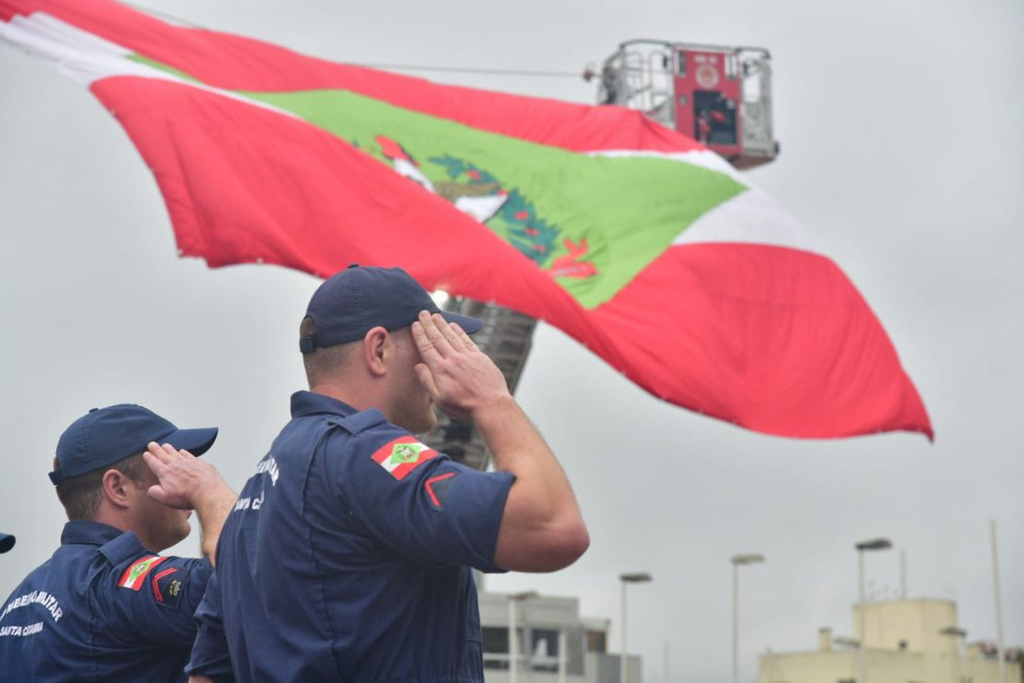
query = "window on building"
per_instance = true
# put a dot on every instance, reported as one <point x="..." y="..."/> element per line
<point x="544" y="649"/>
<point x="495" y="642"/>
<point x="597" y="641"/>
<point x="495" y="639"/>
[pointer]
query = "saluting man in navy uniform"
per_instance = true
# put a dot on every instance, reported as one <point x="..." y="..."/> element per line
<point x="347" y="556"/>
<point x="106" y="606"/>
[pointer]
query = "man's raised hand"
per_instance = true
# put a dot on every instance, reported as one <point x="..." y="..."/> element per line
<point x="183" y="478"/>
<point x="460" y="378"/>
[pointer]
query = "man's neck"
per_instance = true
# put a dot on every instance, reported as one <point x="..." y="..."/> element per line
<point x="111" y="518"/>
<point x="359" y="397"/>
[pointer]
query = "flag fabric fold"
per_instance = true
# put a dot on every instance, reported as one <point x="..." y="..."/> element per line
<point x="633" y="239"/>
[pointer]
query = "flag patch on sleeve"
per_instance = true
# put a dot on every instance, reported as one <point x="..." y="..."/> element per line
<point x="403" y="455"/>
<point x="135" y="575"/>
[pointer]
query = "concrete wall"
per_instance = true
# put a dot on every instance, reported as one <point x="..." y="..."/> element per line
<point x="841" y="665"/>
<point x="915" y="622"/>
<point x="604" y="668"/>
<point x="807" y="667"/>
<point x="882" y="667"/>
<point x="598" y="668"/>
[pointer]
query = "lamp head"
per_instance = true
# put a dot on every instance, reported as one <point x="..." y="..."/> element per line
<point x="874" y="544"/>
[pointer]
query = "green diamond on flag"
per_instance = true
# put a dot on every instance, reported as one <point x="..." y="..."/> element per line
<point x="404" y="453"/>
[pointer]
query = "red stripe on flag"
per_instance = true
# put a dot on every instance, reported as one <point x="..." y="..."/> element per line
<point x="772" y="339"/>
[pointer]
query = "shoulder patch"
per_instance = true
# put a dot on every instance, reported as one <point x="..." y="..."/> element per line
<point x="167" y="587"/>
<point x="403" y="455"/>
<point x="135" y="575"/>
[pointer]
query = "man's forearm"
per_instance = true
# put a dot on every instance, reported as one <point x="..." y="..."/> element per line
<point x="212" y="508"/>
<point x="542" y="528"/>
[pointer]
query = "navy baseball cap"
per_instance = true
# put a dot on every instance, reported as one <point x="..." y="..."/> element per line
<point x="352" y="302"/>
<point x="6" y="542"/>
<point x="104" y="436"/>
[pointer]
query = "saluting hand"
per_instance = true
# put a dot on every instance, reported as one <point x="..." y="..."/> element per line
<point x="183" y="478"/>
<point x="460" y="378"/>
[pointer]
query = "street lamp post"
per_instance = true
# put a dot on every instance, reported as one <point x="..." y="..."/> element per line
<point x="562" y="662"/>
<point x="513" y="637"/>
<point x="862" y="547"/>
<point x="665" y="665"/>
<point x="999" y="601"/>
<point x="737" y="560"/>
<point x="637" y="577"/>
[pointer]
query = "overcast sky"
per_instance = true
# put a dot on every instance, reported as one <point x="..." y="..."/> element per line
<point x="900" y="125"/>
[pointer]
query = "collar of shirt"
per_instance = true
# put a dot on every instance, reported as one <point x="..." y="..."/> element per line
<point x="87" y="532"/>
<point x="306" y="403"/>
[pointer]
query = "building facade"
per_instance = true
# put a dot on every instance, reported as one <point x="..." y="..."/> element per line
<point x="905" y="641"/>
<point x="555" y="644"/>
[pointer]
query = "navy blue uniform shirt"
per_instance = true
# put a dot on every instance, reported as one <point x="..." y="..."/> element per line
<point x="102" y="608"/>
<point x="347" y="558"/>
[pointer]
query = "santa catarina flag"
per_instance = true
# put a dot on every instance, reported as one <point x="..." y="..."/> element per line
<point x="403" y="455"/>
<point x="134" y="576"/>
<point x="633" y="239"/>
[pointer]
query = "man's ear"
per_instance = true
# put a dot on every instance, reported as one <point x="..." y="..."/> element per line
<point x="115" y="488"/>
<point x="377" y="345"/>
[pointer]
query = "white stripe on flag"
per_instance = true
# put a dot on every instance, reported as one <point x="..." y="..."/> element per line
<point x="751" y="217"/>
<point x="390" y="463"/>
<point x="87" y="58"/>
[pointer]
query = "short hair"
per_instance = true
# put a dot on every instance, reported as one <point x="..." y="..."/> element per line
<point x="81" y="495"/>
<point x="324" y="361"/>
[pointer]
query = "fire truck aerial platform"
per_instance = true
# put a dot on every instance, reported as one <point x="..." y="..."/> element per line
<point x="720" y="96"/>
